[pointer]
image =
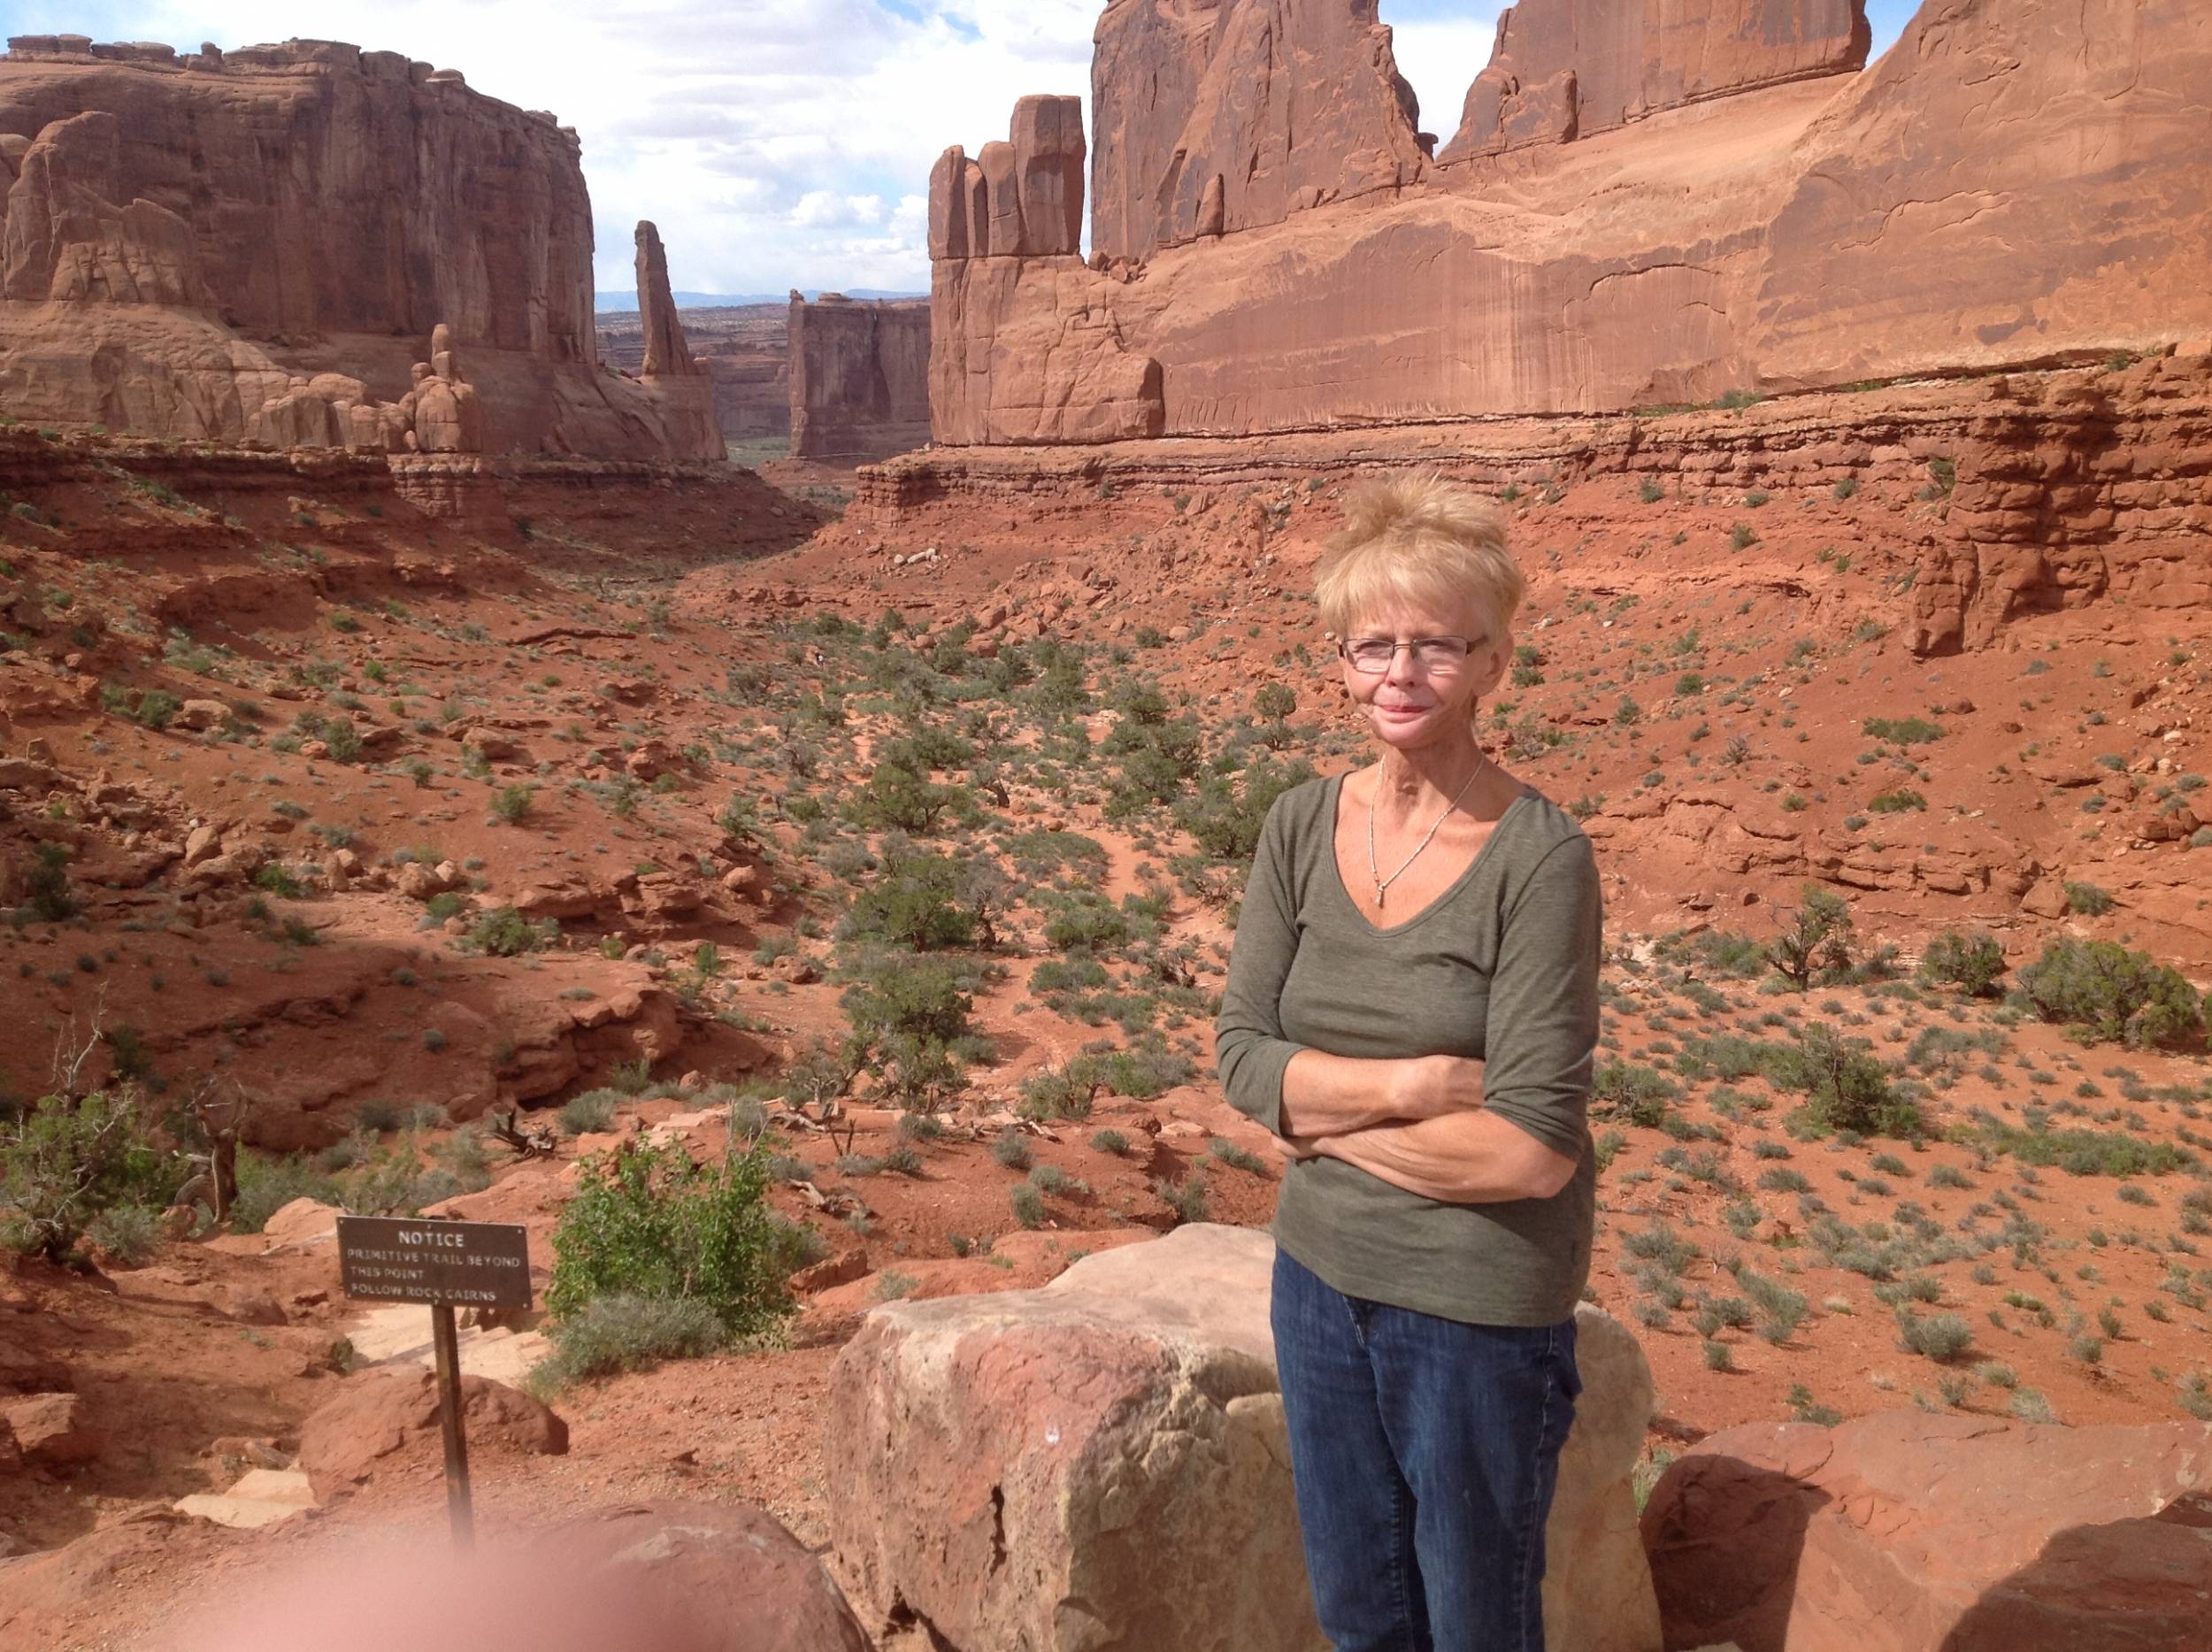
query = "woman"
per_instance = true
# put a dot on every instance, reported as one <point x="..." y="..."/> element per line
<point x="1412" y="1006"/>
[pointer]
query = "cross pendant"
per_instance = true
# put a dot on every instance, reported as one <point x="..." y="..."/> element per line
<point x="1381" y="894"/>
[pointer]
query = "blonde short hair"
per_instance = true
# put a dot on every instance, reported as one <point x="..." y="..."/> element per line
<point x="1424" y="541"/>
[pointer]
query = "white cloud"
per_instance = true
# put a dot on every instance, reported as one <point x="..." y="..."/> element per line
<point x="766" y="140"/>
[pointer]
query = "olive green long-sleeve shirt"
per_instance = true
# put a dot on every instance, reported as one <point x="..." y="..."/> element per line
<point x="1503" y="967"/>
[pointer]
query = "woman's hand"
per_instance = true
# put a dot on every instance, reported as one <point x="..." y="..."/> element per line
<point x="1431" y="1086"/>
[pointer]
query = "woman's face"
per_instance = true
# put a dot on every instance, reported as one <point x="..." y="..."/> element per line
<point x="1424" y="695"/>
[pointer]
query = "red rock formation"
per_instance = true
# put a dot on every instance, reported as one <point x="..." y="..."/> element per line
<point x="191" y="242"/>
<point x="859" y="377"/>
<point x="665" y="352"/>
<point x="1563" y="69"/>
<point x="1274" y="105"/>
<point x="1963" y="204"/>
<point x="1902" y="1531"/>
<point x="679" y="383"/>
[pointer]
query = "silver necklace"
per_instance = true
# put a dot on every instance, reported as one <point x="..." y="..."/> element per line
<point x="1382" y="884"/>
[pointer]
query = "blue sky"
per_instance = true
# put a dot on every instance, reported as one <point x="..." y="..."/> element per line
<point x="775" y="144"/>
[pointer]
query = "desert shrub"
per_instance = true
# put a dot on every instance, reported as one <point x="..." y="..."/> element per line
<point x="1088" y="922"/>
<point x="1010" y="1147"/>
<point x="897" y="797"/>
<point x="2084" y="1152"/>
<point x="506" y="933"/>
<point x="590" y="1113"/>
<point x="625" y="1332"/>
<point x="1028" y="1204"/>
<point x="1972" y="961"/>
<point x="2107" y="992"/>
<point x="1903" y="731"/>
<point x="1816" y="941"/>
<point x="1224" y="818"/>
<point x="1057" y="1092"/>
<point x="1846" y="1086"/>
<point x="1638" y="1094"/>
<point x="1897" y="801"/>
<point x="68" y="1160"/>
<point x="1111" y="1142"/>
<point x="1185" y="1199"/>
<point x="909" y="1015"/>
<point x="46" y="884"/>
<point x="130" y="1234"/>
<point x="1939" y="1337"/>
<point x="266" y="1185"/>
<point x="648" y="1222"/>
<point x="2087" y="900"/>
<point x="1237" y="1158"/>
<point x="915" y="905"/>
<point x="511" y="805"/>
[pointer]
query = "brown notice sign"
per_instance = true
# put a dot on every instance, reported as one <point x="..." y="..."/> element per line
<point x="407" y="1259"/>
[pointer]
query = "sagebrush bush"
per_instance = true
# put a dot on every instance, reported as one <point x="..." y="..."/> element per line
<point x="130" y="1234"/>
<point x="625" y="1332"/>
<point x="590" y="1113"/>
<point x="1938" y="1337"/>
<point x="648" y="1222"/>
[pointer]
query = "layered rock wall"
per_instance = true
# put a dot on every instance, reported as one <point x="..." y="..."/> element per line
<point x="859" y="377"/>
<point x="2015" y="183"/>
<point x="1563" y="69"/>
<point x="189" y="239"/>
<point x="1228" y="114"/>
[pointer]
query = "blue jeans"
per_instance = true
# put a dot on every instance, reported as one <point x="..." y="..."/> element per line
<point x="1425" y="1452"/>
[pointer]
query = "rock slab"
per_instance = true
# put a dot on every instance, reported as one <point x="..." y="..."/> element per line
<point x="1905" y="1531"/>
<point x="1104" y="1463"/>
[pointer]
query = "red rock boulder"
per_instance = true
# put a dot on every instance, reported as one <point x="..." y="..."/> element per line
<point x="1906" y="1531"/>
<point x="389" y="1418"/>
<point x="51" y="1429"/>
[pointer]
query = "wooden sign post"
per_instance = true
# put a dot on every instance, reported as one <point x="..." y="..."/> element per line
<point x="422" y="1259"/>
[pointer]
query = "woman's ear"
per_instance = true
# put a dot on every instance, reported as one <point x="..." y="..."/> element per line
<point x="1491" y="661"/>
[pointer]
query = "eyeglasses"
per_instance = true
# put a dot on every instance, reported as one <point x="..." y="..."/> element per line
<point x="1439" y="655"/>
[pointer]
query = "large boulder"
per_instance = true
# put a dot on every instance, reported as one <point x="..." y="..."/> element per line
<point x="671" y="1577"/>
<point x="51" y="1429"/>
<point x="389" y="1417"/>
<point x="1104" y="1463"/>
<point x="1907" y="1531"/>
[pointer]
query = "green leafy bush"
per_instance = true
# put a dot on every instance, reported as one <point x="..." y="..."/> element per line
<point x="511" y="805"/>
<point x="915" y="904"/>
<point x="67" y="1161"/>
<point x="2107" y="993"/>
<point x="648" y="1222"/>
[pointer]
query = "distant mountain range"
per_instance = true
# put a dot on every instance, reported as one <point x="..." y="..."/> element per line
<point x="607" y="303"/>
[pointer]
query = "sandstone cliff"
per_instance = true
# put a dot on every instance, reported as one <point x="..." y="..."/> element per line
<point x="1231" y="113"/>
<point x="188" y="240"/>
<point x="2016" y="181"/>
<point x="860" y="376"/>
<point x="1565" y="69"/>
